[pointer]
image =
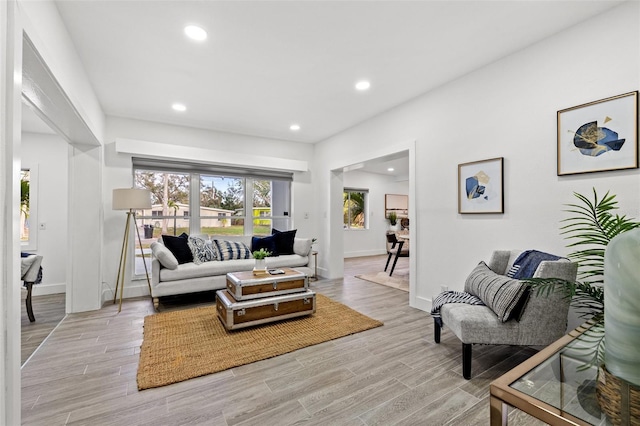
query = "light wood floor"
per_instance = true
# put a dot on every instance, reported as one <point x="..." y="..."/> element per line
<point x="85" y="373"/>
<point x="49" y="311"/>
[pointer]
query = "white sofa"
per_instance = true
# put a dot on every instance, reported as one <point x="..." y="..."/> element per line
<point x="191" y="277"/>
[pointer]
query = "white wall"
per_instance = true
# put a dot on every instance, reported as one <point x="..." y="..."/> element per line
<point x="45" y="28"/>
<point x="49" y="155"/>
<point x="371" y="241"/>
<point x="507" y="109"/>
<point x="43" y="25"/>
<point x="118" y="174"/>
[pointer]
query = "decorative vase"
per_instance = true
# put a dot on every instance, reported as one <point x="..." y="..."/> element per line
<point x="622" y="316"/>
<point x="261" y="265"/>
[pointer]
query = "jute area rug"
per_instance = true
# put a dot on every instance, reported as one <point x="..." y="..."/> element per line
<point x="399" y="279"/>
<point x="181" y="345"/>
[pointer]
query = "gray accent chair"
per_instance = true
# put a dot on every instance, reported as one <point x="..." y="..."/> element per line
<point x="543" y="321"/>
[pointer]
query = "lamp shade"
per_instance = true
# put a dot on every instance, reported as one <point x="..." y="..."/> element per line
<point x="131" y="198"/>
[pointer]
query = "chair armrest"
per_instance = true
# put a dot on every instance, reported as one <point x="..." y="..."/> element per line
<point x="31" y="275"/>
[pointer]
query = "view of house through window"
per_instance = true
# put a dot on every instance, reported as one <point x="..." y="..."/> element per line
<point x="355" y="208"/>
<point x="208" y="204"/>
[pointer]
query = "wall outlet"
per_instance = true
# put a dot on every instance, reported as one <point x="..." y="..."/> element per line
<point x="42" y="226"/>
<point x="444" y="288"/>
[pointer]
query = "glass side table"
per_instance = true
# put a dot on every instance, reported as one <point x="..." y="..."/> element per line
<point x="550" y="387"/>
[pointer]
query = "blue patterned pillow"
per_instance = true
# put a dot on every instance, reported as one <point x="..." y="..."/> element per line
<point x="228" y="250"/>
<point x="202" y="250"/>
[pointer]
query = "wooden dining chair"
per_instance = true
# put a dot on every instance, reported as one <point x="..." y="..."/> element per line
<point x="396" y="250"/>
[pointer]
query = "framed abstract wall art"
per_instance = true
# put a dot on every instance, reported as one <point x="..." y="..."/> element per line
<point x="480" y="186"/>
<point x="599" y="136"/>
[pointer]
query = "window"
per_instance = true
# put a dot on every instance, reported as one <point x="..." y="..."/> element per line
<point x="220" y="198"/>
<point x="196" y="199"/>
<point x="355" y="208"/>
<point x="25" y="185"/>
<point x="169" y="194"/>
<point x="29" y="208"/>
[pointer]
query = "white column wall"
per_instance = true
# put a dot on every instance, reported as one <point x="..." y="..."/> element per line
<point x="45" y="28"/>
<point x="506" y="109"/>
<point x="118" y="174"/>
<point x="10" y="115"/>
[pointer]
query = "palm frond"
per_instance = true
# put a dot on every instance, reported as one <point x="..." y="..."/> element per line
<point x="590" y="228"/>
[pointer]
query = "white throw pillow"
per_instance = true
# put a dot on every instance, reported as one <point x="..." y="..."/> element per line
<point x="164" y="255"/>
<point x="302" y="246"/>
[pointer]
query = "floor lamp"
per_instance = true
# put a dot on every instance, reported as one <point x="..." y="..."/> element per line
<point x="129" y="199"/>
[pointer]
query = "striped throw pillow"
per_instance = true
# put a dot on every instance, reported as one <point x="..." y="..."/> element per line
<point x="228" y="250"/>
<point x="498" y="292"/>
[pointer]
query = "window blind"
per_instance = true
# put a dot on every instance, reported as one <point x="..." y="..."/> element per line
<point x="157" y="165"/>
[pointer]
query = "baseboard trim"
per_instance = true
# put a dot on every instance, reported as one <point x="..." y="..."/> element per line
<point x="137" y="288"/>
<point x="422" y="303"/>
<point x="362" y="253"/>
<point x="45" y="289"/>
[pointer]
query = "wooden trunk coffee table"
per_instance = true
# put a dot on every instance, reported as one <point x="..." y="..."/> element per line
<point x="258" y="299"/>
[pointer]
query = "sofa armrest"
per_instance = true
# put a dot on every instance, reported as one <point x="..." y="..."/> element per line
<point x="155" y="272"/>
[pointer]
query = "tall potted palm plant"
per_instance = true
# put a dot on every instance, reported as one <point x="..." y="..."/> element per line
<point x="591" y="226"/>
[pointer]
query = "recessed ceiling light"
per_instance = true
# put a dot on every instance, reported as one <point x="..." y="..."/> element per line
<point x="195" y="33"/>
<point x="363" y="85"/>
<point x="179" y="107"/>
<point x="390" y="169"/>
<point x="294" y="127"/>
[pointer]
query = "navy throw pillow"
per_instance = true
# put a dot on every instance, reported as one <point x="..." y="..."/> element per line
<point x="284" y="240"/>
<point x="179" y="246"/>
<point x="267" y="243"/>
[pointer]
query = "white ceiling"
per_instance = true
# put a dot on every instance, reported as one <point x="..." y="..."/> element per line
<point x="268" y="64"/>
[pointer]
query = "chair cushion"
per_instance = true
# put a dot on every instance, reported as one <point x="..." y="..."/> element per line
<point x="501" y="294"/>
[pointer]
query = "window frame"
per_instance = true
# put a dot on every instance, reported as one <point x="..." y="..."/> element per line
<point x="32" y="243"/>
<point x="365" y="209"/>
<point x="195" y="220"/>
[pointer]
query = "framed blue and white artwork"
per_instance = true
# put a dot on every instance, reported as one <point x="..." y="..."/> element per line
<point x="599" y="136"/>
<point x="481" y="186"/>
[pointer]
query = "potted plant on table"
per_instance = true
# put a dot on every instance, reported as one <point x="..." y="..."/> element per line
<point x="261" y="263"/>
<point x="393" y="220"/>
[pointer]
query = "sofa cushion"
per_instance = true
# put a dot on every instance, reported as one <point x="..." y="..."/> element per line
<point x="287" y="260"/>
<point x="188" y="271"/>
<point x="202" y="250"/>
<point x="267" y="243"/>
<point x="501" y="294"/>
<point x="164" y="255"/>
<point x="284" y="240"/>
<point x="229" y="250"/>
<point x="302" y="246"/>
<point x="179" y="246"/>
